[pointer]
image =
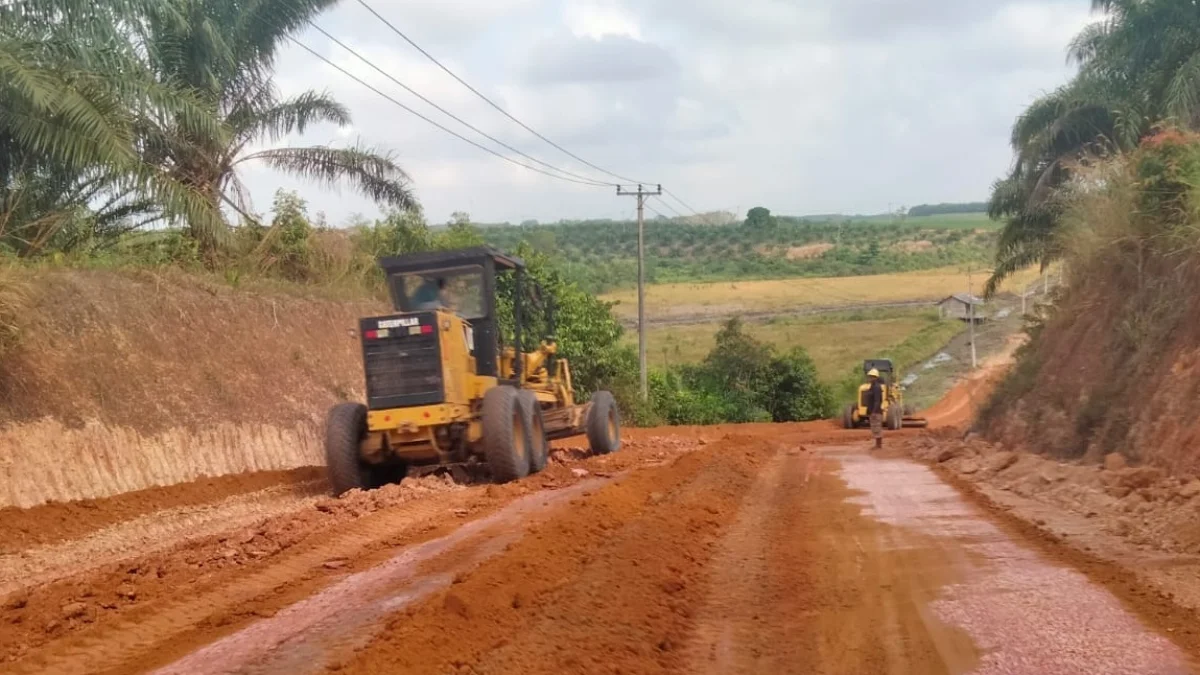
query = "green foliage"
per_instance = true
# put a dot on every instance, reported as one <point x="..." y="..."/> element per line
<point x="942" y="209"/>
<point x="742" y="380"/>
<point x="760" y="217"/>
<point x="1139" y="66"/>
<point x="601" y="254"/>
<point x="119" y="115"/>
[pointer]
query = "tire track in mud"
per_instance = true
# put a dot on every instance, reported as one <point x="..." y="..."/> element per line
<point x="147" y="609"/>
<point x="805" y="583"/>
<point x="609" y="584"/>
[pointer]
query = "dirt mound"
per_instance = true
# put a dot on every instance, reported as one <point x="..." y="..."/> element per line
<point x="125" y="381"/>
<point x="54" y="522"/>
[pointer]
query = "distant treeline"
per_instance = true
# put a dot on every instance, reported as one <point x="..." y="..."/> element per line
<point x="942" y="209"/>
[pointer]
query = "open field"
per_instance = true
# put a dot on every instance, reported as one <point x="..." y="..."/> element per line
<point x="944" y="221"/>
<point x="665" y="302"/>
<point x="836" y="342"/>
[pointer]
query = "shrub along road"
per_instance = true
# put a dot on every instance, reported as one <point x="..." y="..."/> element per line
<point x="760" y="548"/>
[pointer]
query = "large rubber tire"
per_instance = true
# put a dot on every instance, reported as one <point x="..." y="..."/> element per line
<point x="344" y="431"/>
<point x="848" y="416"/>
<point x="505" y="436"/>
<point x="539" y="445"/>
<point x="603" y="424"/>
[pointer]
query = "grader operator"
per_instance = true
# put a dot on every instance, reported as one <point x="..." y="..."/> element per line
<point x="447" y="386"/>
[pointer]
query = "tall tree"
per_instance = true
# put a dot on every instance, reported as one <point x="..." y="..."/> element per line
<point x="225" y="50"/>
<point x="1139" y="66"/>
<point x="75" y="92"/>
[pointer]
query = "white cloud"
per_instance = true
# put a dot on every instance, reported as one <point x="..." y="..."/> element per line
<point x="827" y="105"/>
<point x="599" y="19"/>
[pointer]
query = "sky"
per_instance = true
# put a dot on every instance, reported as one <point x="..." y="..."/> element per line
<point x="813" y="106"/>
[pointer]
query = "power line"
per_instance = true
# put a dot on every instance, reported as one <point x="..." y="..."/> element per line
<point x="451" y="115"/>
<point x="493" y="104"/>
<point x="669" y="206"/>
<point x="457" y="135"/>
<point x="685" y="204"/>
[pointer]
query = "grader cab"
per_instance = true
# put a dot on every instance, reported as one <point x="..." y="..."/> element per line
<point x="896" y="414"/>
<point x="449" y="383"/>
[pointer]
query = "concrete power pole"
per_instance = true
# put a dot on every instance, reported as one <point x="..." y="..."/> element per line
<point x="641" y="195"/>
<point x="971" y="299"/>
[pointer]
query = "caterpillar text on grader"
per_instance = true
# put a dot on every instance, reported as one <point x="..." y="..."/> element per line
<point x="444" y="392"/>
<point x="896" y="414"/>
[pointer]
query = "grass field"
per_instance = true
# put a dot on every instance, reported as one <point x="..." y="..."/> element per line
<point x="837" y="343"/>
<point x="946" y="221"/>
<point x="718" y="299"/>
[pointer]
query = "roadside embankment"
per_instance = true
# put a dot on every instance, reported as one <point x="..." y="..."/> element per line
<point x="122" y="381"/>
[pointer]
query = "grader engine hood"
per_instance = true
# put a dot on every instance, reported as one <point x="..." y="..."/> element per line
<point x="402" y="360"/>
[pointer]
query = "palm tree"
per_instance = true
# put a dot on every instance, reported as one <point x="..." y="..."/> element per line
<point x="1139" y="66"/>
<point x="74" y="92"/>
<point x="224" y="50"/>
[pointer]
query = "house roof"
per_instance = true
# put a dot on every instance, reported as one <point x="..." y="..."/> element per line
<point x="964" y="298"/>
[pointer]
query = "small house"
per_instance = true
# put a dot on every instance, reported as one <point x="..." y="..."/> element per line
<point x="959" y="306"/>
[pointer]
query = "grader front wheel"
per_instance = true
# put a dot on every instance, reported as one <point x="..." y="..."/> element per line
<point x="604" y="424"/>
<point x="539" y="446"/>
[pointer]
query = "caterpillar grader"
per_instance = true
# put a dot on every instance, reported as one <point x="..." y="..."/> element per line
<point x="445" y="391"/>
<point x="896" y="415"/>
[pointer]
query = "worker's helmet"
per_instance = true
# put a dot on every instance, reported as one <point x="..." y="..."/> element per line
<point x="874" y="372"/>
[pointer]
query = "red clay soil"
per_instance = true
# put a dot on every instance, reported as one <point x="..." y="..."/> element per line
<point x="233" y="578"/>
<point x="49" y="523"/>
<point x="742" y="557"/>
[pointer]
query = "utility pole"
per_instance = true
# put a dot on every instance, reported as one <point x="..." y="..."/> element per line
<point x="641" y="195"/>
<point x="971" y="299"/>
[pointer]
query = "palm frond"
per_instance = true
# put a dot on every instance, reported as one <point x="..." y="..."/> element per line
<point x="375" y="175"/>
<point x="294" y="115"/>
<point x="1183" y="93"/>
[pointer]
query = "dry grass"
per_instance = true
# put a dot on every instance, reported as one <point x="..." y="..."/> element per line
<point x="836" y="344"/>
<point x="784" y="295"/>
<point x="14" y="302"/>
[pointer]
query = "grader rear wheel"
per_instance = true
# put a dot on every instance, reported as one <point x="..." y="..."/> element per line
<point x="505" y="435"/>
<point x="344" y="431"/>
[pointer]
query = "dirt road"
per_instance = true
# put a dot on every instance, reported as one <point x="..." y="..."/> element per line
<point x="758" y="549"/>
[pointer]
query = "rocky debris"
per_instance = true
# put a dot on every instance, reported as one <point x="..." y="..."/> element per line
<point x="1190" y="490"/>
<point x="580" y="473"/>
<point x="73" y="610"/>
<point x="951" y="453"/>
<point x="1001" y="461"/>
<point x="1144" y="504"/>
<point x="968" y="467"/>
<point x="1115" y="461"/>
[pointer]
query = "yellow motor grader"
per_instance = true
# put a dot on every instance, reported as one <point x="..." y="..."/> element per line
<point x="444" y="390"/>
<point x="896" y="414"/>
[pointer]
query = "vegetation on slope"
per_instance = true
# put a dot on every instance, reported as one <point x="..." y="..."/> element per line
<point x="1111" y="366"/>
<point x="1139" y="67"/>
